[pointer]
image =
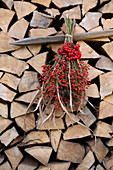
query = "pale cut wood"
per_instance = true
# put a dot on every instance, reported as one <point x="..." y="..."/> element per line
<point x="1" y="74"/>
<point x="28" y="163"/>
<point x="86" y="5"/>
<point x="4" y="123"/>
<point x="72" y="13"/>
<point x="108" y="8"/>
<point x="66" y="3"/>
<point x="105" y="110"/>
<point x="23" y="8"/>
<point x="26" y="122"/>
<point x="18" y="29"/>
<point x="34" y="49"/>
<point x="75" y="132"/>
<point x="55" y="136"/>
<point x="41" y="153"/>
<point x="59" y="166"/>
<point x="108" y="99"/>
<point x="100" y="150"/>
<point x="44" y="168"/>
<point x="55" y="47"/>
<point x="103" y="130"/>
<point x="106" y="84"/>
<point x="93" y="73"/>
<point x="9" y="3"/>
<point x="110" y="142"/>
<point x="14" y="156"/>
<point x="12" y="65"/>
<point x="27" y="97"/>
<point x="92" y="91"/>
<point x="37" y="61"/>
<point x="87" y="51"/>
<point x="88" y="118"/>
<point x="99" y="167"/>
<point x="38" y="32"/>
<point x="22" y="53"/>
<point x="5" y="40"/>
<point x="87" y="162"/>
<point x="108" y="162"/>
<point x="19" y="109"/>
<point x="8" y="136"/>
<point x="2" y="157"/>
<point x="78" y="29"/>
<point x="70" y="121"/>
<point x="5" y="18"/>
<point x="6" y="94"/>
<point x="52" y="11"/>
<point x="69" y="151"/>
<point x="10" y="80"/>
<point x="4" y="109"/>
<point x="104" y="63"/>
<point x="107" y="23"/>
<point x="28" y="82"/>
<point x="17" y="140"/>
<point x="5" y="166"/>
<point x="58" y="113"/>
<point x="108" y="48"/>
<point x="40" y="20"/>
<point x="36" y="137"/>
<point x="44" y="2"/>
<point x="91" y="20"/>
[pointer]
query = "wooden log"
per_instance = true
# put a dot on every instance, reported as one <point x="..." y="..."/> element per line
<point x="99" y="167"/>
<point x="18" y="29"/>
<point x="63" y="4"/>
<point x="108" y="8"/>
<point x="14" y="155"/>
<point x="8" y="136"/>
<point x="108" y="49"/>
<point x="6" y="16"/>
<point x="106" y="84"/>
<point x="4" y="123"/>
<point x="12" y="65"/>
<point x="91" y="20"/>
<point x="1" y="74"/>
<point x="92" y="91"/>
<point x="22" y="53"/>
<point x="6" y="94"/>
<point x="44" y="2"/>
<point x="52" y="11"/>
<point x="37" y="62"/>
<point x="93" y="73"/>
<point x="105" y="110"/>
<point x="38" y="32"/>
<point x="10" y="80"/>
<point x="23" y="8"/>
<point x="4" y="110"/>
<point x="86" y="6"/>
<point x="70" y="152"/>
<point x="8" y="3"/>
<point x="69" y="121"/>
<point x="41" y="153"/>
<point x="108" y="99"/>
<point x="108" y="162"/>
<point x="55" y="136"/>
<point x="40" y="20"/>
<point x="110" y="142"/>
<point x="107" y="23"/>
<point x="104" y="63"/>
<point x="34" y="49"/>
<point x="6" y="165"/>
<point x="28" y="82"/>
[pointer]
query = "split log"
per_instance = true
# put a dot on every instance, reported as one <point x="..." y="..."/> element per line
<point x="6" y="94"/>
<point x="104" y="63"/>
<point x="1" y="74"/>
<point x="59" y="165"/>
<point x="5" y="40"/>
<point x="69" y="121"/>
<point x="8" y="3"/>
<point x="18" y="29"/>
<point x="40" y="20"/>
<point x="7" y="137"/>
<point x="37" y="62"/>
<point x="52" y="11"/>
<point x="28" y="81"/>
<point x="5" y="166"/>
<point x="12" y="65"/>
<point x="87" y="162"/>
<point x="42" y="32"/>
<point x="1" y="158"/>
<point x="101" y="152"/>
<point x="5" y="18"/>
<point x="108" y="49"/>
<point x="93" y="73"/>
<point x="110" y="142"/>
<point x="68" y="151"/>
<point x="34" y="49"/>
<point x="99" y="167"/>
<point x="4" y="123"/>
<point x="41" y="153"/>
<point x="66" y="3"/>
<point x="106" y="84"/>
<point x="22" y="53"/>
<point x="86" y="6"/>
<point x="108" y="8"/>
<point x="36" y="137"/>
<point x="75" y="132"/>
<point x="10" y="80"/>
<point x="107" y="23"/>
<point x="108" y="99"/>
<point x="108" y="162"/>
<point x="44" y="2"/>
<point x="92" y="91"/>
<point x="23" y="8"/>
<point x="55" y="136"/>
<point x="4" y="109"/>
<point x="91" y="20"/>
<point x="14" y="155"/>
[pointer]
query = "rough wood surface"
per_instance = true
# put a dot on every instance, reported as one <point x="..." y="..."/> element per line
<point x="108" y="49"/>
<point x="4" y="110"/>
<point x="8" y="3"/>
<point x="4" y="123"/>
<point x="66" y="3"/>
<point x="44" y="2"/>
<point x="86" y="6"/>
<point x="38" y="32"/>
<point x="55" y="136"/>
<point x="22" y="53"/>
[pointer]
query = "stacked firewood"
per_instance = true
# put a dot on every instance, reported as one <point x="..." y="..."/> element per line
<point x="63" y="144"/>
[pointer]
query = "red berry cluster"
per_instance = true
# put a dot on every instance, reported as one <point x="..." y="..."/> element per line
<point x="67" y="68"/>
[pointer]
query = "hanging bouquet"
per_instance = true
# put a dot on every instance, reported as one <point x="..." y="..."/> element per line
<point x="63" y="84"/>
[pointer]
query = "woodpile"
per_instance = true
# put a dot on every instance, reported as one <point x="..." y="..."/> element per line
<point x="60" y="143"/>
